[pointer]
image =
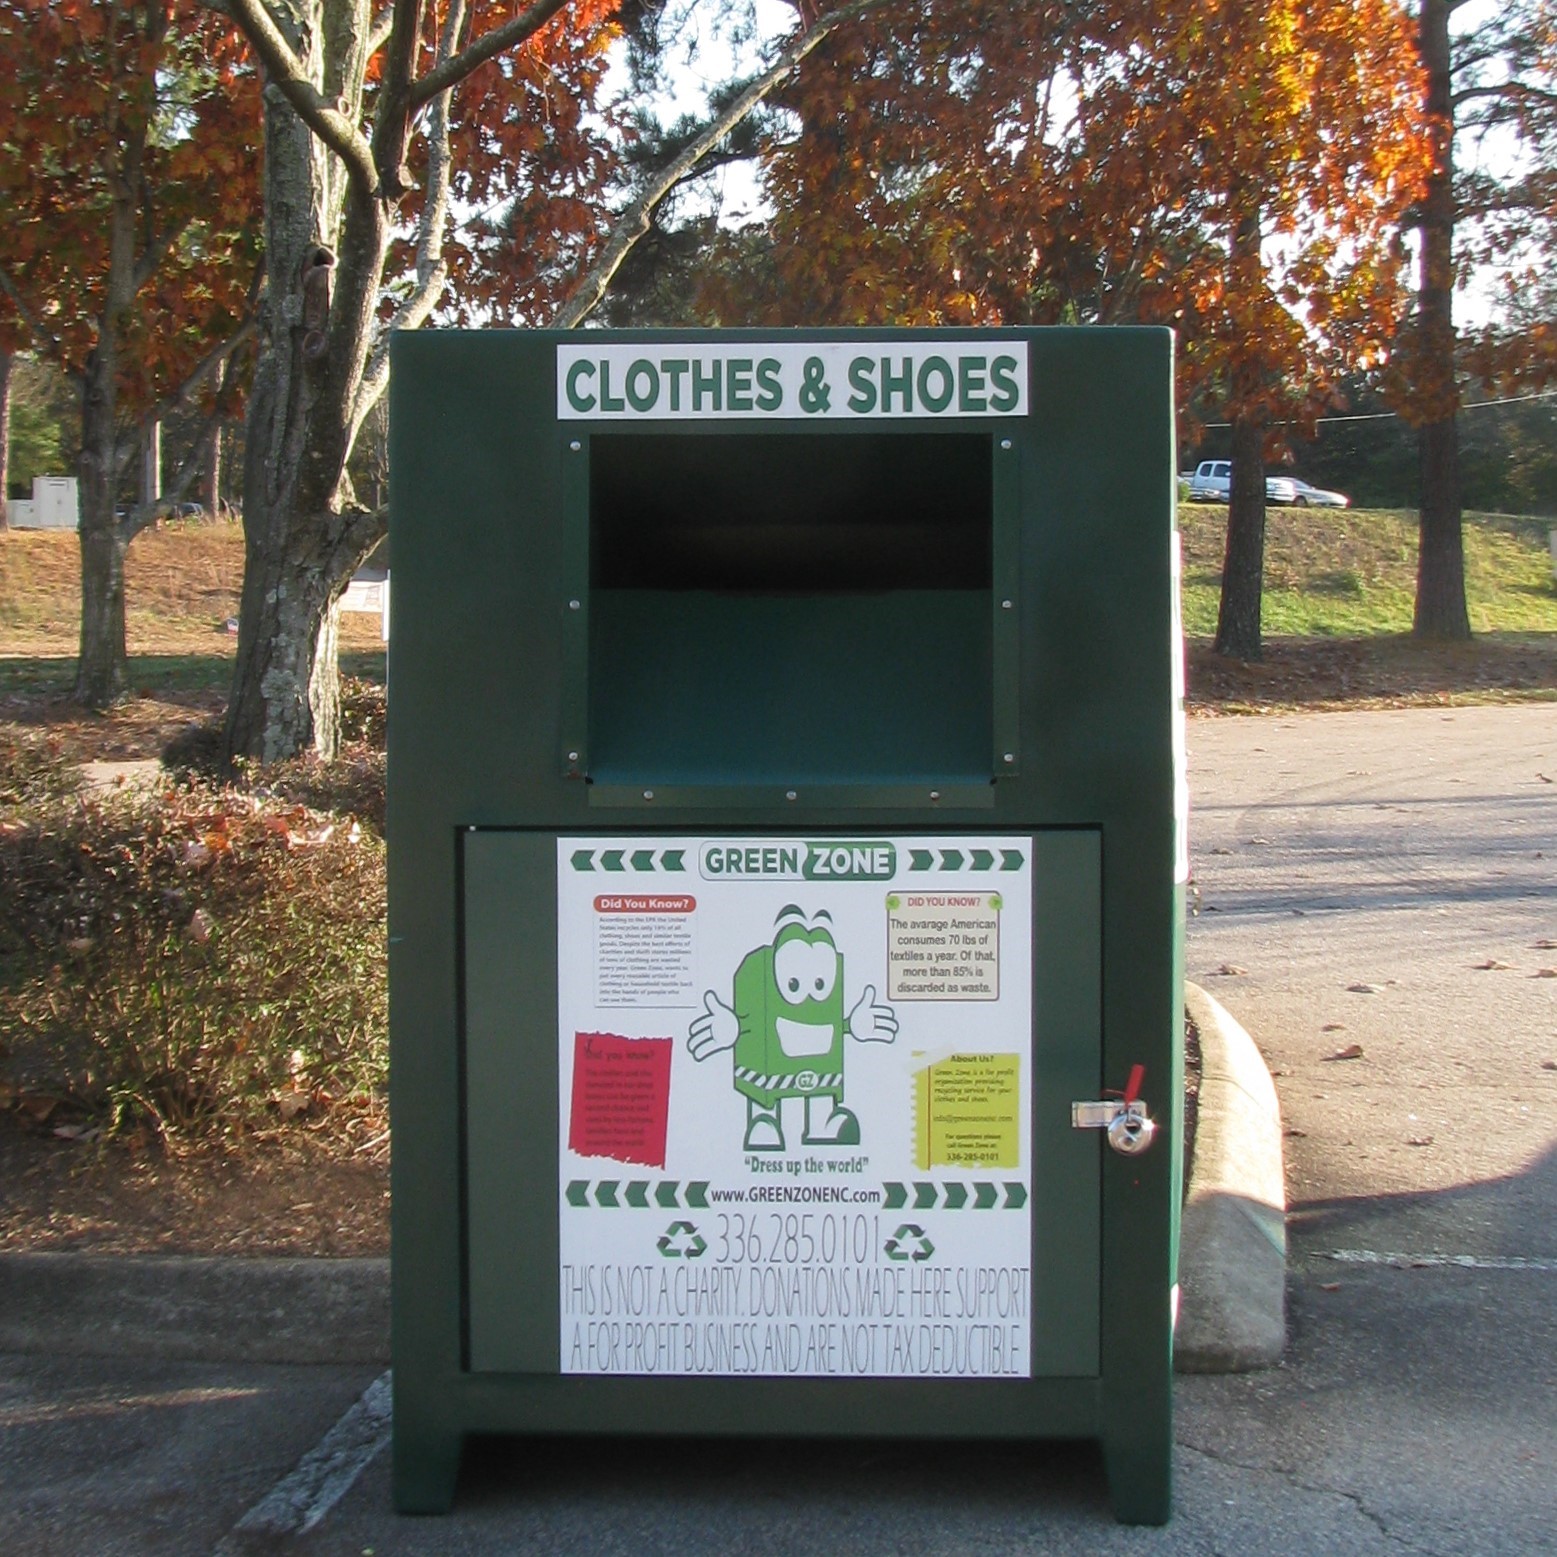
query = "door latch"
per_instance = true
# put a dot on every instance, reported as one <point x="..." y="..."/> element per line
<point x="1130" y="1129"/>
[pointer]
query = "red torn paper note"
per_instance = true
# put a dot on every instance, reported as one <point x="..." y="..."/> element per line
<point x="621" y="1098"/>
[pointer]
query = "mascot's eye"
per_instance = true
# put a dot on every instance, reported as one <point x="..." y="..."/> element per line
<point x="822" y="969"/>
<point x="792" y="972"/>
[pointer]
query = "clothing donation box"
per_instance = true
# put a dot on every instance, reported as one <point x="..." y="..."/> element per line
<point x="787" y="860"/>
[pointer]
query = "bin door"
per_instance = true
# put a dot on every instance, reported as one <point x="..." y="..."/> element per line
<point x="781" y="1106"/>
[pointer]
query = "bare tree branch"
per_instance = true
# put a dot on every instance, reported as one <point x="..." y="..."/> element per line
<point x="431" y="273"/>
<point x="488" y="46"/>
<point x="286" y="74"/>
<point x="636" y="219"/>
<point x="1509" y="95"/>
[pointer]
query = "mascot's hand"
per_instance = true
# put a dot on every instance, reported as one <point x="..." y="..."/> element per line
<point x="715" y="1030"/>
<point x="871" y="1023"/>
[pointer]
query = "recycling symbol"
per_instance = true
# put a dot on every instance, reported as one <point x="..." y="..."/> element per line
<point x="681" y="1241"/>
<point x="909" y="1243"/>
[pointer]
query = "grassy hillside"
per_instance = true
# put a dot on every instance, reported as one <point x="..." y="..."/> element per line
<point x="181" y="587"/>
<point x="1333" y="572"/>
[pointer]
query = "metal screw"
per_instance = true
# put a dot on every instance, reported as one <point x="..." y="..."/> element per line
<point x="1010" y="756"/>
<point x="1005" y="605"/>
<point x="790" y="794"/>
<point x="1005" y="443"/>
<point x="572" y="756"/>
<point x="575" y="446"/>
<point x="648" y="794"/>
<point x="573" y="605"/>
<point x="935" y="794"/>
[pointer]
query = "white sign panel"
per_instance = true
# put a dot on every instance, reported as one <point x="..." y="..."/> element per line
<point x="792" y="380"/>
<point x="795" y="1100"/>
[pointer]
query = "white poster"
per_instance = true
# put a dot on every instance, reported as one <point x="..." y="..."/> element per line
<point x="795" y="1097"/>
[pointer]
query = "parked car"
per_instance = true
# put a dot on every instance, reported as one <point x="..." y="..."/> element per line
<point x="1318" y="497"/>
<point x="1213" y="479"/>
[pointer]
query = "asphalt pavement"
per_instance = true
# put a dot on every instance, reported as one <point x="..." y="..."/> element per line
<point x="1374" y="889"/>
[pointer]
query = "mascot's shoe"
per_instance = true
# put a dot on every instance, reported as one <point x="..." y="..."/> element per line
<point x="763" y="1133"/>
<point x="837" y="1128"/>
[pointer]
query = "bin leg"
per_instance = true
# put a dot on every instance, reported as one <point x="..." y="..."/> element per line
<point x="427" y="1470"/>
<point x="1140" y="1478"/>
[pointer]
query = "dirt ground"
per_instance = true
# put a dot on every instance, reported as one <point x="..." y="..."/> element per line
<point x="287" y="1195"/>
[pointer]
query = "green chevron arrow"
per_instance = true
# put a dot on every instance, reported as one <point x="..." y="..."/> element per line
<point x="611" y="859"/>
<point x="924" y="1196"/>
<point x="638" y="1193"/>
<point x="983" y="1196"/>
<point x="643" y="859"/>
<point x="670" y="859"/>
<point x="583" y="859"/>
<point x="896" y="1196"/>
<point x="956" y="1196"/>
<point x="1011" y="859"/>
<point x="981" y="859"/>
<point x="921" y="859"/>
<point x="665" y="1194"/>
<point x="605" y="1193"/>
<point x="697" y="1194"/>
<point x="951" y="859"/>
<point x="578" y="1192"/>
<point x="1016" y="1197"/>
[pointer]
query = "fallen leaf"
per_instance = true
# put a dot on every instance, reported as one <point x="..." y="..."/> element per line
<point x="1492" y="964"/>
<point x="1231" y="970"/>
<point x="1544" y="945"/>
<point x="1353" y="1051"/>
<point x="291" y="1104"/>
<point x="1419" y="1140"/>
<point x="1549" y="1064"/>
<point x="199" y="927"/>
<point x="1329" y="1286"/>
<point x="1294" y="1131"/>
<point x="1365" y="989"/>
<point x="1219" y="851"/>
<point x="81" y="943"/>
<point x="1544" y="973"/>
<point x="1333" y="1027"/>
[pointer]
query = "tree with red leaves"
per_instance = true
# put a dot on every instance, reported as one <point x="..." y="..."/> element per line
<point x="128" y="133"/>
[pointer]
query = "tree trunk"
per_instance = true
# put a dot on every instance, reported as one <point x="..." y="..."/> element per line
<point x="6" y="360"/>
<point x="211" y="476"/>
<point x="1243" y="562"/>
<point x="151" y="461"/>
<point x="1440" y="582"/>
<point x="102" y="672"/>
<point x="304" y="536"/>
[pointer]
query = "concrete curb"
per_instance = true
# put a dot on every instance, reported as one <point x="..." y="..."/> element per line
<point x="1232" y="1263"/>
<point x="195" y="1309"/>
<point x="1233" y="1240"/>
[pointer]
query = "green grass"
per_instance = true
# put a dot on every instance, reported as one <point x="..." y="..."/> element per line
<point x="1352" y="572"/>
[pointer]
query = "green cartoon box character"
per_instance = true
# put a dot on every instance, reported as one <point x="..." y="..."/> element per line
<point x="786" y="1024"/>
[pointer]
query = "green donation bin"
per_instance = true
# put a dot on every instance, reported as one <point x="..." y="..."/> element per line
<point x="786" y="865"/>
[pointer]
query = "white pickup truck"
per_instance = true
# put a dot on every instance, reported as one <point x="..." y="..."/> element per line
<point x="1212" y="479"/>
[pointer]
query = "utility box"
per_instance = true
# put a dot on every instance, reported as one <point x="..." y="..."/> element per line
<point x="786" y="819"/>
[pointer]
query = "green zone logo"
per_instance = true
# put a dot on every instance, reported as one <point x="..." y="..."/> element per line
<point x="792" y="860"/>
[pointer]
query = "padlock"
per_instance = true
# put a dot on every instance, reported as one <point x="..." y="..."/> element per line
<point x="1131" y="1132"/>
